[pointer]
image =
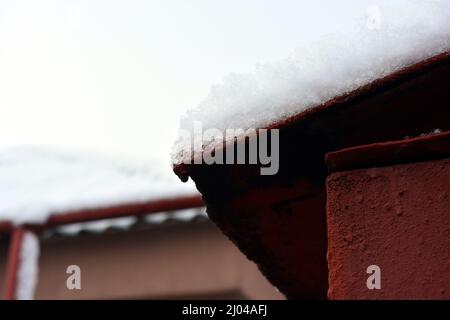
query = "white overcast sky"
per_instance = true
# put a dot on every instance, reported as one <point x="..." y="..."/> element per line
<point x="114" y="76"/>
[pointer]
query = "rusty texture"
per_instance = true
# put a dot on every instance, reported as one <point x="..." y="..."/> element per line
<point x="397" y="218"/>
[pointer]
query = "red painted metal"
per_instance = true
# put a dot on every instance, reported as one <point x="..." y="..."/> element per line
<point x="397" y="218"/>
<point x="13" y="263"/>
<point x="125" y="210"/>
<point x="428" y="147"/>
<point x="387" y="204"/>
<point x="134" y="209"/>
<point x="280" y="221"/>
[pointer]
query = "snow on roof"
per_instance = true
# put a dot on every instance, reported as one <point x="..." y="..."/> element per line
<point x="35" y="184"/>
<point x="126" y="223"/>
<point x="386" y="39"/>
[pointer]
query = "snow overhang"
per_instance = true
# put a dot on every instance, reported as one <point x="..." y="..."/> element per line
<point x="279" y="221"/>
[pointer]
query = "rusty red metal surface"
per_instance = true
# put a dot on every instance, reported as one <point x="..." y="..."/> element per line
<point x="280" y="221"/>
<point x="13" y="263"/>
<point x="394" y="217"/>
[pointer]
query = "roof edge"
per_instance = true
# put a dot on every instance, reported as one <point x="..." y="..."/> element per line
<point x="183" y="170"/>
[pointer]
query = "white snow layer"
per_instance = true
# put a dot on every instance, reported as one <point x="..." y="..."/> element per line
<point x="35" y="184"/>
<point x="125" y="223"/>
<point x="27" y="275"/>
<point x="385" y="39"/>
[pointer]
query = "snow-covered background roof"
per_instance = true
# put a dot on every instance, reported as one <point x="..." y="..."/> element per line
<point x="127" y="223"/>
<point x="37" y="183"/>
<point x="386" y="38"/>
